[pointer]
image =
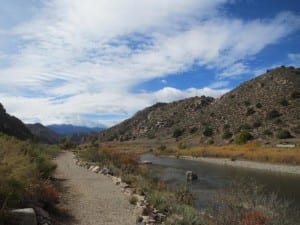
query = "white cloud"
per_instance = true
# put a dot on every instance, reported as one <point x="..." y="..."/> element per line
<point x="294" y="58"/>
<point x="74" y="109"/>
<point x="236" y="69"/>
<point x="95" y="51"/>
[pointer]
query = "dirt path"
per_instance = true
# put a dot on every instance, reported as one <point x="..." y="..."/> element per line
<point x="92" y="199"/>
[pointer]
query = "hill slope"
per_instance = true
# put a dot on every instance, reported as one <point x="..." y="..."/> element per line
<point x="267" y="107"/>
<point x="44" y="134"/>
<point x="12" y="126"/>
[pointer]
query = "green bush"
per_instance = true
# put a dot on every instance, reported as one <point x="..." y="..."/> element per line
<point x="256" y="124"/>
<point x="283" y="134"/>
<point x="178" y="132"/>
<point x="242" y="137"/>
<point x="90" y="154"/>
<point x="162" y="148"/>
<point x="227" y="134"/>
<point x="268" y="132"/>
<point x="258" y="105"/>
<point x="208" y="132"/>
<point x="247" y="103"/>
<point x="193" y="130"/>
<point x="182" y="145"/>
<point x="133" y="200"/>
<point x="161" y="200"/>
<point x="273" y="114"/>
<point x="295" y="94"/>
<point x="284" y="102"/>
<point x="244" y="127"/>
<point x="250" y="111"/>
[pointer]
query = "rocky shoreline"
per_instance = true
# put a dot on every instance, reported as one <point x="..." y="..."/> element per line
<point x="278" y="168"/>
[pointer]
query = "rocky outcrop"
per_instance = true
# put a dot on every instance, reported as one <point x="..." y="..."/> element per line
<point x="24" y="216"/>
<point x="190" y="176"/>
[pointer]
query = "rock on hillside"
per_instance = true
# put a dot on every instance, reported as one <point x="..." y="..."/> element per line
<point x="267" y="107"/>
<point x="44" y="134"/>
<point x="12" y="126"/>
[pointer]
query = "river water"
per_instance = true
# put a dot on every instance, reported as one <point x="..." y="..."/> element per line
<point x="213" y="178"/>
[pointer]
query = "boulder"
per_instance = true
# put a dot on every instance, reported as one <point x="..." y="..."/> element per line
<point x="190" y="175"/>
<point x="105" y="171"/>
<point x="25" y="216"/>
<point x="96" y="169"/>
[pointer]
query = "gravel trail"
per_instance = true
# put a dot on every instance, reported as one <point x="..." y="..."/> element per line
<point x="92" y="199"/>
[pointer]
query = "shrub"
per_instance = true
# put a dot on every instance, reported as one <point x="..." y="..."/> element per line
<point x="258" y="105"/>
<point x="268" y="132"/>
<point x="208" y="132"/>
<point x="178" y="132"/>
<point x="250" y="111"/>
<point x="244" y="127"/>
<point x="247" y="103"/>
<point x="160" y="200"/>
<point x="242" y="137"/>
<point x="90" y="154"/>
<point x="256" y="124"/>
<point x="283" y="134"/>
<point x="227" y="134"/>
<point x="133" y="200"/>
<point x="273" y="114"/>
<point x="184" y="196"/>
<point x="162" y="148"/>
<point x="193" y="130"/>
<point x="296" y="129"/>
<point x="295" y="94"/>
<point x="226" y="126"/>
<point x="284" y="102"/>
<point x="182" y="145"/>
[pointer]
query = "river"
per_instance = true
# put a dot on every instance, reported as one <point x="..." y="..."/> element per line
<point x="213" y="178"/>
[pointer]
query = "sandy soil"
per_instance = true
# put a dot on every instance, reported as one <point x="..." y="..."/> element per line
<point x="248" y="164"/>
<point x="90" y="198"/>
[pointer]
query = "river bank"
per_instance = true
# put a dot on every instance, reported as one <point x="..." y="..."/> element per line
<point x="281" y="168"/>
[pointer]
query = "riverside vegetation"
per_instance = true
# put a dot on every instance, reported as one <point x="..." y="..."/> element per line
<point x="25" y="172"/>
<point x="249" y="151"/>
<point x="244" y="203"/>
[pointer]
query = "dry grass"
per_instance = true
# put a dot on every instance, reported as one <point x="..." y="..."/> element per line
<point x="24" y="165"/>
<point x="249" y="151"/>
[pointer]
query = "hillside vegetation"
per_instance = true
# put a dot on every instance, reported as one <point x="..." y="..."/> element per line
<point x="25" y="168"/>
<point x="266" y="108"/>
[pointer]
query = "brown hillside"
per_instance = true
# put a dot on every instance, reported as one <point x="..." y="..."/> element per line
<point x="267" y="107"/>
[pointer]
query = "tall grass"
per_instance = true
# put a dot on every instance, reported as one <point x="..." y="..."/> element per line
<point x="24" y="164"/>
<point x="249" y="151"/>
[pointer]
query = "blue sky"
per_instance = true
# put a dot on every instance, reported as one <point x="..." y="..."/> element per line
<point x="92" y="62"/>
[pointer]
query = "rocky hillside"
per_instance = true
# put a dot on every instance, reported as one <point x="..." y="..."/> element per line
<point x="12" y="126"/>
<point x="44" y="134"/>
<point x="266" y="108"/>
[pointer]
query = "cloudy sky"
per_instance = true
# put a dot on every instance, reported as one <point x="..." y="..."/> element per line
<point x="91" y="62"/>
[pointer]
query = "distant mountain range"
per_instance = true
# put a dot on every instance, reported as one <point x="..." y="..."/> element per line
<point x="68" y="129"/>
<point x="51" y="134"/>
<point x="267" y="108"/>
